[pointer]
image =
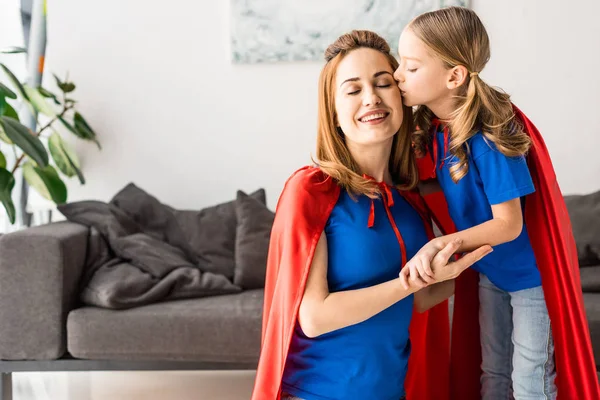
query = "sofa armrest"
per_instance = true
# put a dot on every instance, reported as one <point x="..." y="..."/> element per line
<point x="40" y="269"/>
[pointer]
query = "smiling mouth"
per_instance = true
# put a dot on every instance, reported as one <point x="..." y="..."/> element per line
<point x="374" y="118"/>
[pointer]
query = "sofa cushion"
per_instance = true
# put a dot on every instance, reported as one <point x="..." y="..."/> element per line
<point x="212" y="329"/>
<point x="255" y="221"/>
<point x="584" y="211"/>
<point x="211" y="234"/>
<point x="590" y="279"/>
<point x="592" y="309"/>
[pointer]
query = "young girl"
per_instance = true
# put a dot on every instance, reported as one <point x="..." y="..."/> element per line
<point x="336" y="318"/>
<point x="501" y="190"/>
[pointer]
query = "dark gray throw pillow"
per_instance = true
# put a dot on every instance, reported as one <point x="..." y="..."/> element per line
<point x="211" y="233"/>
<point x="584" y="211"/>
<point x="254" y="223"/>
<point x="157" y="219"/>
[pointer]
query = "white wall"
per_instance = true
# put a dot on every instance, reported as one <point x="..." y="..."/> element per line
<point x="177" y="118"/>
<point x="172" y="112"/>
<point x="547" y="55"/>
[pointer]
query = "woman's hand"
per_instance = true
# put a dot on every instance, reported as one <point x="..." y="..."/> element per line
<point x="439" y="269"/>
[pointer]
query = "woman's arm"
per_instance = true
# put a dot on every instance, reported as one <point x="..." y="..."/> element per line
<point x="322" y="312"/>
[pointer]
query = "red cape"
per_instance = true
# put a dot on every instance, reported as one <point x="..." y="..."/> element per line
<point x="552" y="240"/>
<point x="303" y="209"/>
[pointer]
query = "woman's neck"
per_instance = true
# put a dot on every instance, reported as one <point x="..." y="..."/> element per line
<point x="373" y="160"/>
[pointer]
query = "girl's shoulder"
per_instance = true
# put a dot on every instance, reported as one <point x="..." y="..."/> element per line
<point x="478" y="145"/>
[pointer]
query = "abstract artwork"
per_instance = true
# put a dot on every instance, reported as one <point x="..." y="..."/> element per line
<point x="297" y="30"/>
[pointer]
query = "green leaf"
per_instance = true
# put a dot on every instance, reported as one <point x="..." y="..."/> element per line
<point x="6" y="110"/>
<point x="58" y="81"/>
<point x="2" y="160"/>
<point x="22" y="137"/>
<point x="14" y="81"/>
<point x="39" y="102"/>
<point x="85" y="131"/>
<point x="7" y="183"/>
<point x="68" y="126"/>
<point x="3" y="136"/>
<point x="66" y="87"/>
<point x="48" y="94"/>
<point x="81" y="129"/>
<point x="6" y="92"/>
<point x="10" y="112"/>
<point x="46" y="181"/>
<point x="82" y="126"/>
<point x="12" y="50"/>
<point x="65" y="158"/>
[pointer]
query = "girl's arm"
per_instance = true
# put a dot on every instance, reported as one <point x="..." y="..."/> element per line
<point x="322" y="312"/>
<point x="505" y="226"/>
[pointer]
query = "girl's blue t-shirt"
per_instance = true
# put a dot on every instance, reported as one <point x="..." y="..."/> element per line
<point x="492" y="178"/>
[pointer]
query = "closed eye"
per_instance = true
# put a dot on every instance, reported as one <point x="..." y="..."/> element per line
<point x="357" y="91"/>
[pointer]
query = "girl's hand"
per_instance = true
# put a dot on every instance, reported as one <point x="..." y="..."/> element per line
<point x="440" y="267"/>
<point x="418" y="268"/>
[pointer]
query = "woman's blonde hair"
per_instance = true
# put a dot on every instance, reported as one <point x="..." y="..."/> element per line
<point x="333" y="156"/>
<point x="457" y="36"/>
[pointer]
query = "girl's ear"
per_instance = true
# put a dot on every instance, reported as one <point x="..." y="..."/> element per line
<point x="457" y="76"/>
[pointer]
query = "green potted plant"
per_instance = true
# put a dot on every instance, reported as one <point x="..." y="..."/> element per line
<point x="43" y="156"/>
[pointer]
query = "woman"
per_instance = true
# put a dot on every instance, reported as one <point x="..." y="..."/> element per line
<point x="336" y="317"/>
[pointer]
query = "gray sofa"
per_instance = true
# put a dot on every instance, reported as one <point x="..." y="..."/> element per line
<point x="584" y="211"/>
<point x="43" y="327"/>
<point x="96" y="294"/>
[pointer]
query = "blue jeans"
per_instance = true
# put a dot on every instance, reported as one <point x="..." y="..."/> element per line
<point x="516" y="344"/>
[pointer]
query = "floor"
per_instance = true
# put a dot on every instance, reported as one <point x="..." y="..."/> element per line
<point x="185" y="385"/>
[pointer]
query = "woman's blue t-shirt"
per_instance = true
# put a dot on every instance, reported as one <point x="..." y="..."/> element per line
<point x="367" y="360"/>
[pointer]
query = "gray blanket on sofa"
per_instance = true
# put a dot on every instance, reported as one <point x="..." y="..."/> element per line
<point x="138" y="254"/>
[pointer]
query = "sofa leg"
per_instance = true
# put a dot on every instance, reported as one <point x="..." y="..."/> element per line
<point x="6" y="386"/>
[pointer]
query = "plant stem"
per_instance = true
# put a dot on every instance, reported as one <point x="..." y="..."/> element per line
<point x="17" y="163"/>
<point x="63" y="112"/>
<point x="39" y="132"/>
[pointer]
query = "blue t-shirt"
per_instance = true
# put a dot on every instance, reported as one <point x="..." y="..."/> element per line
<point x="366" y="360"/>
<point x="492" y="178"/>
